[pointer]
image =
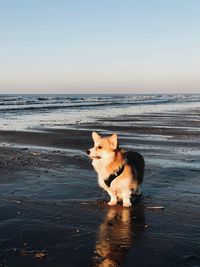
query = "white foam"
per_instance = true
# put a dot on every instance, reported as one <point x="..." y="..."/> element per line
<point x="62" y="118"/>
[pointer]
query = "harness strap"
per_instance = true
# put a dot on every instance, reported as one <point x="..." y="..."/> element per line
<point x="114" y="175"/>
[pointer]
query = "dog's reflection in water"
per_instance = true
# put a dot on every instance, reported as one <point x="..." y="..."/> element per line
<point x="120" y="230"/>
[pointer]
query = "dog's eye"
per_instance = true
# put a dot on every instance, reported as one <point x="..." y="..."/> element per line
<point x="99" y="147"/>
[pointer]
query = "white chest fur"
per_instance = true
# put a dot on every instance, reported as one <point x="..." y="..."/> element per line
<point x="100" y="167"/>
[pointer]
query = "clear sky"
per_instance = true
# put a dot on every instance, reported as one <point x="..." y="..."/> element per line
<point x="99" y="46"/>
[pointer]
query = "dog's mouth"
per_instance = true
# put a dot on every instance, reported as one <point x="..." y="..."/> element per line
<point x="94" y="157"/>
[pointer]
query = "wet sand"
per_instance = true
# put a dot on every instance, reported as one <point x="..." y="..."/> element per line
<point x="52" y="213"/>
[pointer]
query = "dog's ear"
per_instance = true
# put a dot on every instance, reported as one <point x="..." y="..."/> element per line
<point x="95" y="137"/>
<point x="114" y="141"/>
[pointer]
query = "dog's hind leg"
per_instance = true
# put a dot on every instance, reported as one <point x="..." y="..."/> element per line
<point x="126" y="196"/>
<point x="137" y="191"/>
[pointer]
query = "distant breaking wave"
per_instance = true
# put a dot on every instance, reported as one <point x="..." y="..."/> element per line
<point x="17" y="103"/>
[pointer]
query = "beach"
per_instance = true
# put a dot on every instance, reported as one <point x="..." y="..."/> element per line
<point x="53" y="212"/>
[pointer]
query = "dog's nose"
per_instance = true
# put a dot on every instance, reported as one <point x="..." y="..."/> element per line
<point x="88" y="151"/>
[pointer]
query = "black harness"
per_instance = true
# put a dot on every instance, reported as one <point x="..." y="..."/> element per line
<point x="114" y="175"/>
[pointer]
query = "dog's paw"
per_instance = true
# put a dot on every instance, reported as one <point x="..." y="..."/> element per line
<point x="112" y="203"/>
<point x="127" y="204"/>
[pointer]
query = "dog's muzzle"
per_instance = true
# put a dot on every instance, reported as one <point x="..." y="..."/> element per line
<point x="92" y="157"/>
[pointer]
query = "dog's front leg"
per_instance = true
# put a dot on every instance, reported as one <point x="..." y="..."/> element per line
<point x="112" y="194"/>
<point x="113" y="197"/>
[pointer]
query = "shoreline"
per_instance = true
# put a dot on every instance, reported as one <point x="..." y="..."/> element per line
<point x="39" y="120"/>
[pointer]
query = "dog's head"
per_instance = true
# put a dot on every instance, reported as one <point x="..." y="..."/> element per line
<point x="104" y="147"/>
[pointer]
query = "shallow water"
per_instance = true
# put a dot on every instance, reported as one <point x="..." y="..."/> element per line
<point x="25" y="112"/>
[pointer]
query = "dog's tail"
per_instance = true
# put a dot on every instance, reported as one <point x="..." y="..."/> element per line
<point x="137" y="161"/>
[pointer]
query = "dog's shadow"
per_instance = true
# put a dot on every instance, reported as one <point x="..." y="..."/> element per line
<point x="120" y="230"/>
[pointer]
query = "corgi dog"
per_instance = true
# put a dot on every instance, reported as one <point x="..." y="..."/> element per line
<point x="120" y="173"/>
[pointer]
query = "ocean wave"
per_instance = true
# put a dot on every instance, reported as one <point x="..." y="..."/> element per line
<point x="14" y="103"/>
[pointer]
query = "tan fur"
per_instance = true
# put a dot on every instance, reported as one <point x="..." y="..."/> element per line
<point x="107" y="158"/>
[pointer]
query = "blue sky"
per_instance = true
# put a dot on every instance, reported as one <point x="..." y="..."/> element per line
<point x="99" y="46"/>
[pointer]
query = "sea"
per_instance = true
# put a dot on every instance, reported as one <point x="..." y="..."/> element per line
<point x="41" y="111"/>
